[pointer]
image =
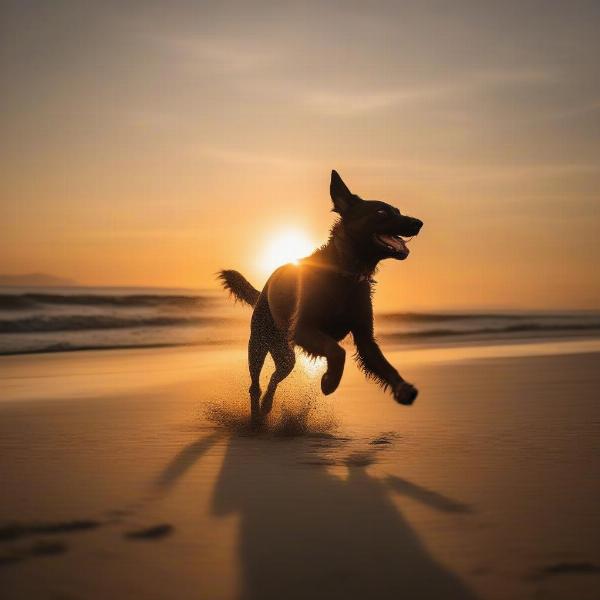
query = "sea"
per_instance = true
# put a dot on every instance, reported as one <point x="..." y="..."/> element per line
<point x="37" y="320"/>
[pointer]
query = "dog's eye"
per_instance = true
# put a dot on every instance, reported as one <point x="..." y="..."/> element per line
<point x="382" y="212"/>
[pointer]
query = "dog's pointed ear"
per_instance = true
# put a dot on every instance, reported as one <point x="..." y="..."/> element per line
<point x="341" y="196"/>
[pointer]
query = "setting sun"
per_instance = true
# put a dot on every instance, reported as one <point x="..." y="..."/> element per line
<point x="285" y="247"/>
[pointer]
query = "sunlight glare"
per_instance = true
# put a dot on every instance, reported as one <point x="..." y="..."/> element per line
<point x="313" y="367"/>
<point x="285" y="247"/>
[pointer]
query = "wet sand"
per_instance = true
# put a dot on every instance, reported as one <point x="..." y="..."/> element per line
<point x="132" y="474"/>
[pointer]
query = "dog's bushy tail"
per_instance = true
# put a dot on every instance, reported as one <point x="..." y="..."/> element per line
<point x="239" y="286"/>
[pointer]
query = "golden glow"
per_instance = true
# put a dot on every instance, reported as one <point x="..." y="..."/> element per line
<point x="311" y="366"/>
<point x="285" y="247"/>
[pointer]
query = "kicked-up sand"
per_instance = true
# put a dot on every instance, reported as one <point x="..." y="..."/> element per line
<point x="133" y="474"/>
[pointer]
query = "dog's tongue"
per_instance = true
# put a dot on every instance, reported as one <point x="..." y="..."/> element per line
<point x="397" y="243"/>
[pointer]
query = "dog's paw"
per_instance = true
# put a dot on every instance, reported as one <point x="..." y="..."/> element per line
<point x="405" y="393"/>
<point x="329" y="383"/>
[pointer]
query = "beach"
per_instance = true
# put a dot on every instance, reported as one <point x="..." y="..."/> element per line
<point x="408" y="192"/>
<point x="133" y="474"/>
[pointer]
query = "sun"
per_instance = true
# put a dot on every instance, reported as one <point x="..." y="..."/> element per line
<point x="285" y="247"/>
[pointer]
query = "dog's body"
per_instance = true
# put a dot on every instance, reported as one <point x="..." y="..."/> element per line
<point x="316" y="303"/>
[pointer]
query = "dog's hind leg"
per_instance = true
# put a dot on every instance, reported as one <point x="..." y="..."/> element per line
<point x="284" y="359"/>
<point x="261" y="334"/>
<point x="257" y="352"/>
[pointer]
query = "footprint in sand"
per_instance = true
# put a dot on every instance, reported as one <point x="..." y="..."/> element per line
<point x="566" y="568"/>
<point x="156" y="532"/>
<point x="41" y="548"/>
<point x="15" y="531"/>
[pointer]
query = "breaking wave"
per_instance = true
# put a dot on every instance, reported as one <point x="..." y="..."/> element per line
<point x="32" y="301"/>
<point x="519" y="328"/>
<point x="62" y="320"/>
<point x="45" y="323"/>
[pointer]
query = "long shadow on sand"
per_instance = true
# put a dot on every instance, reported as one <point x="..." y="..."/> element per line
<point x="307" y="533"/>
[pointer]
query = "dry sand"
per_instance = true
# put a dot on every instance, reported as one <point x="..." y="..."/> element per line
<point x="133" y="475"/>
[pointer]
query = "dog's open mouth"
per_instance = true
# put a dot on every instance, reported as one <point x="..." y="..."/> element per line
<point x="395" y="244"/>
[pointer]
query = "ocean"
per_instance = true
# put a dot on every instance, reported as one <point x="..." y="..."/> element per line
<point x="38" y="320"/>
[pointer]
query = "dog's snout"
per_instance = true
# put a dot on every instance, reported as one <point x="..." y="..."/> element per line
<point x="415" y="225"/>
<point x="409" y="226"/>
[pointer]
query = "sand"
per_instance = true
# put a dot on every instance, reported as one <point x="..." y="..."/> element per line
<point x="132" y="474"/>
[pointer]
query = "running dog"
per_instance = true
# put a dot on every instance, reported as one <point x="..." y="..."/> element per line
<point x="317" y="302"/>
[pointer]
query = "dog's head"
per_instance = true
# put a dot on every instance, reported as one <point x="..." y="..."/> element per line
<point x="375" y="229"/>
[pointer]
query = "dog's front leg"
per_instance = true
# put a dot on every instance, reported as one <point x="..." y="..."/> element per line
<point x="316" y="343"/>
<point x="374" y="364"/>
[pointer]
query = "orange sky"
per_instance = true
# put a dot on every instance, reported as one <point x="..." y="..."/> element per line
<point x="152" y="144"/>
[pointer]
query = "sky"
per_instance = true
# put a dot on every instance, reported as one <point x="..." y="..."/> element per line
<point x="154" y="143"/>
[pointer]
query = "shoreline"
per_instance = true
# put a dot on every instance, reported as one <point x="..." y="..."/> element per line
<point x="389" y="340"/>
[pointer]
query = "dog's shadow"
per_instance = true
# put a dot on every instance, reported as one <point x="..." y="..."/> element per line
<point x="307" y="533"/>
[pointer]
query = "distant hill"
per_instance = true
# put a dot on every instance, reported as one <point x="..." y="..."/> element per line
<point x="35" y="280"/>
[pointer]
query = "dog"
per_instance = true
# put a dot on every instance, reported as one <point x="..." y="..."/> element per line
<point x="317" y="302"/>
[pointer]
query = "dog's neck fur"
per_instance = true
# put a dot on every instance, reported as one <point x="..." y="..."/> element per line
<point x="341" y="254"/>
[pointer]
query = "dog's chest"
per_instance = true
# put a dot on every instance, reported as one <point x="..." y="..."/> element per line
<point x="337" y="317"/>
<point x="338" y="329"/>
